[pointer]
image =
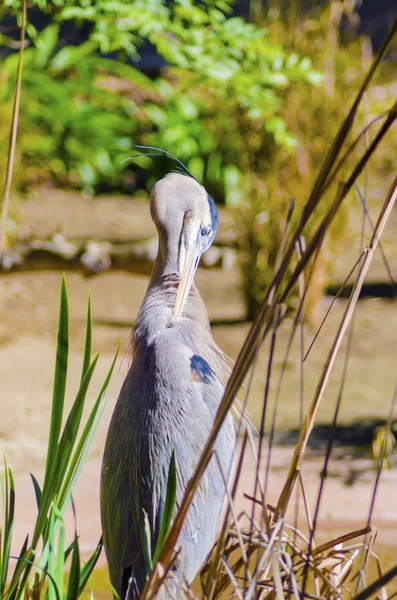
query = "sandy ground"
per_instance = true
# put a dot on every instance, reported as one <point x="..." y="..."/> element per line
<point x="28" y="309"/>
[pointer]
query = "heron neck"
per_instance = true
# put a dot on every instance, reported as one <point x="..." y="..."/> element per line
<point x="192" y="329"/>
<point x="167" y="260"/>
<point x="157" y="311"/>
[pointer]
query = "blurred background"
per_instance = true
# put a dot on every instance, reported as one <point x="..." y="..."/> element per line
<point x="249" y="95"/>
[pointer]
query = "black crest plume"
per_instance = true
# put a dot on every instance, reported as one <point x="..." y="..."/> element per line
<point x="160" y="153"/>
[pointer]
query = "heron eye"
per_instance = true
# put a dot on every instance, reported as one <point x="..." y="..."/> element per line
<point x="206" y="230"/>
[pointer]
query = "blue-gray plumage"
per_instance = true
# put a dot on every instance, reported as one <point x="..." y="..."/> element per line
<point x="168" y="401"/>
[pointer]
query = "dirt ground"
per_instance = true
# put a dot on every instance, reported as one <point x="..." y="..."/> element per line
<point x="28" y="308"/>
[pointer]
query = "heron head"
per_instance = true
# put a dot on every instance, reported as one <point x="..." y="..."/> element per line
<point x="186" y="219"/>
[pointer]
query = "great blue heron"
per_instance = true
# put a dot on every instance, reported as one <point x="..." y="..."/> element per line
<point x="168" y="400"/>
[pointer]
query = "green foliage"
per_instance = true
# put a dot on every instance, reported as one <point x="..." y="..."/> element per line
<point x="243" y="105"/>
<point x="40" y="567"/>
<point x="312" y="115"/>
<point x="217" y="119"/>
<point x="71" y="125"/>
<point x="222" y="103"/>
<point x="225" y="86"/>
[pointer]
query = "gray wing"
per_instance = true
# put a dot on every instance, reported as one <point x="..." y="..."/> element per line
<point x="201" y="528"/>
<point x="120" y="497"/>
<point x="154" y="416"/>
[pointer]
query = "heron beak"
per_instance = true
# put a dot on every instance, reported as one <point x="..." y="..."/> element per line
<point x="187" y="276"/>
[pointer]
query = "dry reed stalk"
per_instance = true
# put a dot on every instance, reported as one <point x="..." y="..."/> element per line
<point x="209" y="576"/>
<point x="13" y="136"/>
<point x="282" y="562"/>
<point x="324" y="378"/>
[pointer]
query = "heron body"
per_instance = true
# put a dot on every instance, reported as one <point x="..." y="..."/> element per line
<point x="168" y="401"/>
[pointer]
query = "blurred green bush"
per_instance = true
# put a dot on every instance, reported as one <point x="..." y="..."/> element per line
<point x="243" y="105"/>
<point x="312" y="115"/>
<point x="75" y="125"/>
<point x="220" y="98"/>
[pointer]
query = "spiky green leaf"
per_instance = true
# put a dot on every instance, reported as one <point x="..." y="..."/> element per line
<point x="169" y="507"/>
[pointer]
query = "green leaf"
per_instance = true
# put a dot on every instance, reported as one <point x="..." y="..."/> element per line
<point x="68" y="551"/>
<point x="277" y="79"/>
<point x="214" y="166"/>
<point x="77" y="12"/>
<point x="292" y="60"/>
<point x="87" y="174"/>
<point x="70" y="452"/>
<point x="88" y="340"/>
<point x="169" y="507"/>
<point x="6" y="532"/>
<point x="89" y="566"/>
<point x="69" y="56"/>
<point x="77" y="460"/>
<point x="22" y="569"/>
<point x="72" y="425"/>
<point x="305" y="64"/>
<point x="57" y="471"/>
<point x="49" y="563"/>
<point x="187" y="108"/>
<point x="148" y="543"/>
<point x="60" y="558"/>
<point x="37" y="490"/>
<point x="46" y="43"/>
<point x="74" y="576"/>
<point x="124" y="71"/>
<point x="61" y="366"/>
<point x="157" y="115"/>
<point x="314" y="77"/>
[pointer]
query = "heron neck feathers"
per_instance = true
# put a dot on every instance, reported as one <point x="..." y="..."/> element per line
<point x="192" y="329"/>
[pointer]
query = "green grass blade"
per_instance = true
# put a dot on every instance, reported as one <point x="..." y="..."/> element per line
<point x="16" y="592"/>
<point x="84" y="442"/>
<point x="74" y="576"/>
<point x="45" y="552"/>
<point x="52" y="561"/>
<point x="58" y="594"/>
<point x="60" y="557"/>
<point x="169" y="507"/>
<point x="37" y="490"/>
<point x="68" y="551"/>
<point x="89" y="566"/>
<point x="148" y="544"/>
<point x="72" y="425"/>
<point x="113" y="590"/>
<point x="88" y="340"/>
<point x="8" y="525"/>
<point x="49" y="567"/>
<point x="66" y="453"/>
<point x="58" y="469"/>
<point x="18" y="559"/>
<point x="2" y="527"/>
<point x="18" y="582"/>
<point x="22" y="569"/>
<point x="61" y="366"/>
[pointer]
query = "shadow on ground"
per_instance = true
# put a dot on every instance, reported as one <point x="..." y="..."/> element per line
<point x="351" y="449"/>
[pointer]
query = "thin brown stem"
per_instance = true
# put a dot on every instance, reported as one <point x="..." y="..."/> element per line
<point x="13" y="135"/>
